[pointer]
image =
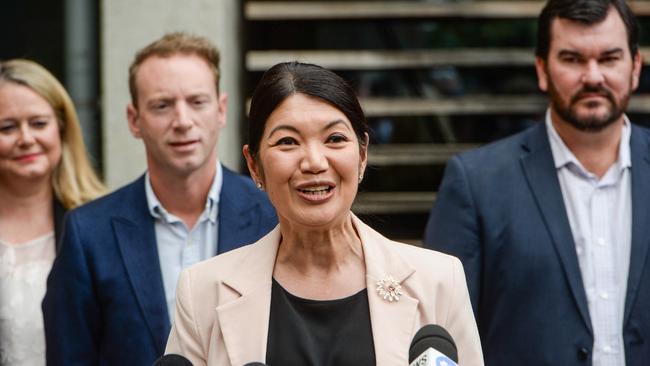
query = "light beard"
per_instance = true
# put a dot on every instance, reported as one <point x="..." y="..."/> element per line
<point x="592" y="122"/>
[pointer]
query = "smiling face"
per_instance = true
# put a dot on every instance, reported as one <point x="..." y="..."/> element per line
<point x="309" y="162"/>
<point x="30" y="142"/>
<point x="589" y="72"/>
<point x="179" y="114"/>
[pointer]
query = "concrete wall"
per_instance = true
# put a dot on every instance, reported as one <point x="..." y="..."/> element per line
<point x="127" y="26"/>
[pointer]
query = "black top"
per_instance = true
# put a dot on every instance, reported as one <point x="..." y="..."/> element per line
<point x="319" y="333"/>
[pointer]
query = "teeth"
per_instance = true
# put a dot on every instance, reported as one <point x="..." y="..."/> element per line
<point x="316" y="190"/>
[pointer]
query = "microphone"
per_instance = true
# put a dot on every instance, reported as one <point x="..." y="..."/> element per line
<point x="172" y="360"/>
<point x="433" y="345"/>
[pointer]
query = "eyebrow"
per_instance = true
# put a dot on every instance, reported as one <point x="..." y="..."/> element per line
<point x="334" y="123"/>
<point x="34" y="116"/>
<point x="568" y="53"/>
<point x="293" y="129"/>
<point x="609" y="52"/>
<point x="612" y="51"/>
<point x="155" y="100"/>
<point x="282" y="127"/>
<point x="198" y="94"/>
<point x="49" y="115"/>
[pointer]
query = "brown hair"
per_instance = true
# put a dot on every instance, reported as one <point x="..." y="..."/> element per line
<point x="169" y="45"/>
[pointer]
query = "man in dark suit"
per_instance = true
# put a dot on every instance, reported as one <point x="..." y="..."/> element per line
<point x="111" y="290"/>
<point x="552" y="224"/>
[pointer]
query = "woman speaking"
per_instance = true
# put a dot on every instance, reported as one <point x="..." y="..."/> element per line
<point x="322" y="288"/>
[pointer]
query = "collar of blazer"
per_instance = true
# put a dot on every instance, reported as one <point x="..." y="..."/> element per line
<point x="245" y="299"/>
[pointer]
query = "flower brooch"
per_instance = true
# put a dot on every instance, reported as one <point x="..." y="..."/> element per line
<point x="389" y="289"/>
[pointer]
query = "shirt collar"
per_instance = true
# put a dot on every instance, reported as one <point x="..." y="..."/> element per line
<point x="211" y="204"/>
<point x="563" y="156"/>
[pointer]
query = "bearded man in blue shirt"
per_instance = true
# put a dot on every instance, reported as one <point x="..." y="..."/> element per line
<point x="552" y="224"/>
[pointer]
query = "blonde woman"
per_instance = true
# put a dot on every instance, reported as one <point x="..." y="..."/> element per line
<point x="44" y="171"/>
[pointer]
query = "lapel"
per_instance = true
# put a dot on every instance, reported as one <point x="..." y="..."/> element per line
<point x="539" y="169"/>
<point x="59" y="213"/>
<point x="136" y="239"/>
<point x="236" y="214"/>
<point x="392" y="322"/>
<point x="640" y="155"/>
<point x="244" y="315"/>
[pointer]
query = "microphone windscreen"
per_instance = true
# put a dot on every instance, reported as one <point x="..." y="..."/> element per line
<point x="436" y="337"/>
<point x="172" y="360"/>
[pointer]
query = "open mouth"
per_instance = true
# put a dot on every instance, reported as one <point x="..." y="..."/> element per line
<point x="184" y="147"/>
<point x="317" y="190"/>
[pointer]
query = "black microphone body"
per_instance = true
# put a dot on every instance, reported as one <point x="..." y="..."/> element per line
<point x="432" y="337"/>
<point x="172" y="360"/>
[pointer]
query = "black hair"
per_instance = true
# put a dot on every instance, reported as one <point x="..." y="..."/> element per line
<point x="588" y="12"/>
<point x="288" y="78"/>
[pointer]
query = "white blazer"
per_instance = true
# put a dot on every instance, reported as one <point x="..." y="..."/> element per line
<point x="223" y="304"/>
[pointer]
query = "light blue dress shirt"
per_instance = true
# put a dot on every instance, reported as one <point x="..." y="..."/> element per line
<point x="179" y="246"/>
<point x="600" y="215"/>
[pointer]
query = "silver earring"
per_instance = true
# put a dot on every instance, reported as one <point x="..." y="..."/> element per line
<point x="259" y="186"/>
<point x="360" y="178"/>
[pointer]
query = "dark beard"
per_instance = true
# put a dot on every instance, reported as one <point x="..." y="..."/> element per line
<point x="591" y="123"/>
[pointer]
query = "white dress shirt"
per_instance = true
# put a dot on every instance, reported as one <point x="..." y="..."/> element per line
<point x="600" y="216"/>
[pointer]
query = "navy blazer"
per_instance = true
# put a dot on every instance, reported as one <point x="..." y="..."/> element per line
<point x="500" y="210"/>
<point x="105" y="302"/>
<point x="59" y="212"/>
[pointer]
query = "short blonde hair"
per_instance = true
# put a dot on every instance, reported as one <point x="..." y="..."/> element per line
<point x="74" y="181"/>
<point x="172" y="44"/>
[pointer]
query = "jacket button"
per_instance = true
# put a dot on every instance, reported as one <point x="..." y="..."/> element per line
<point x="583" y="354"/>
